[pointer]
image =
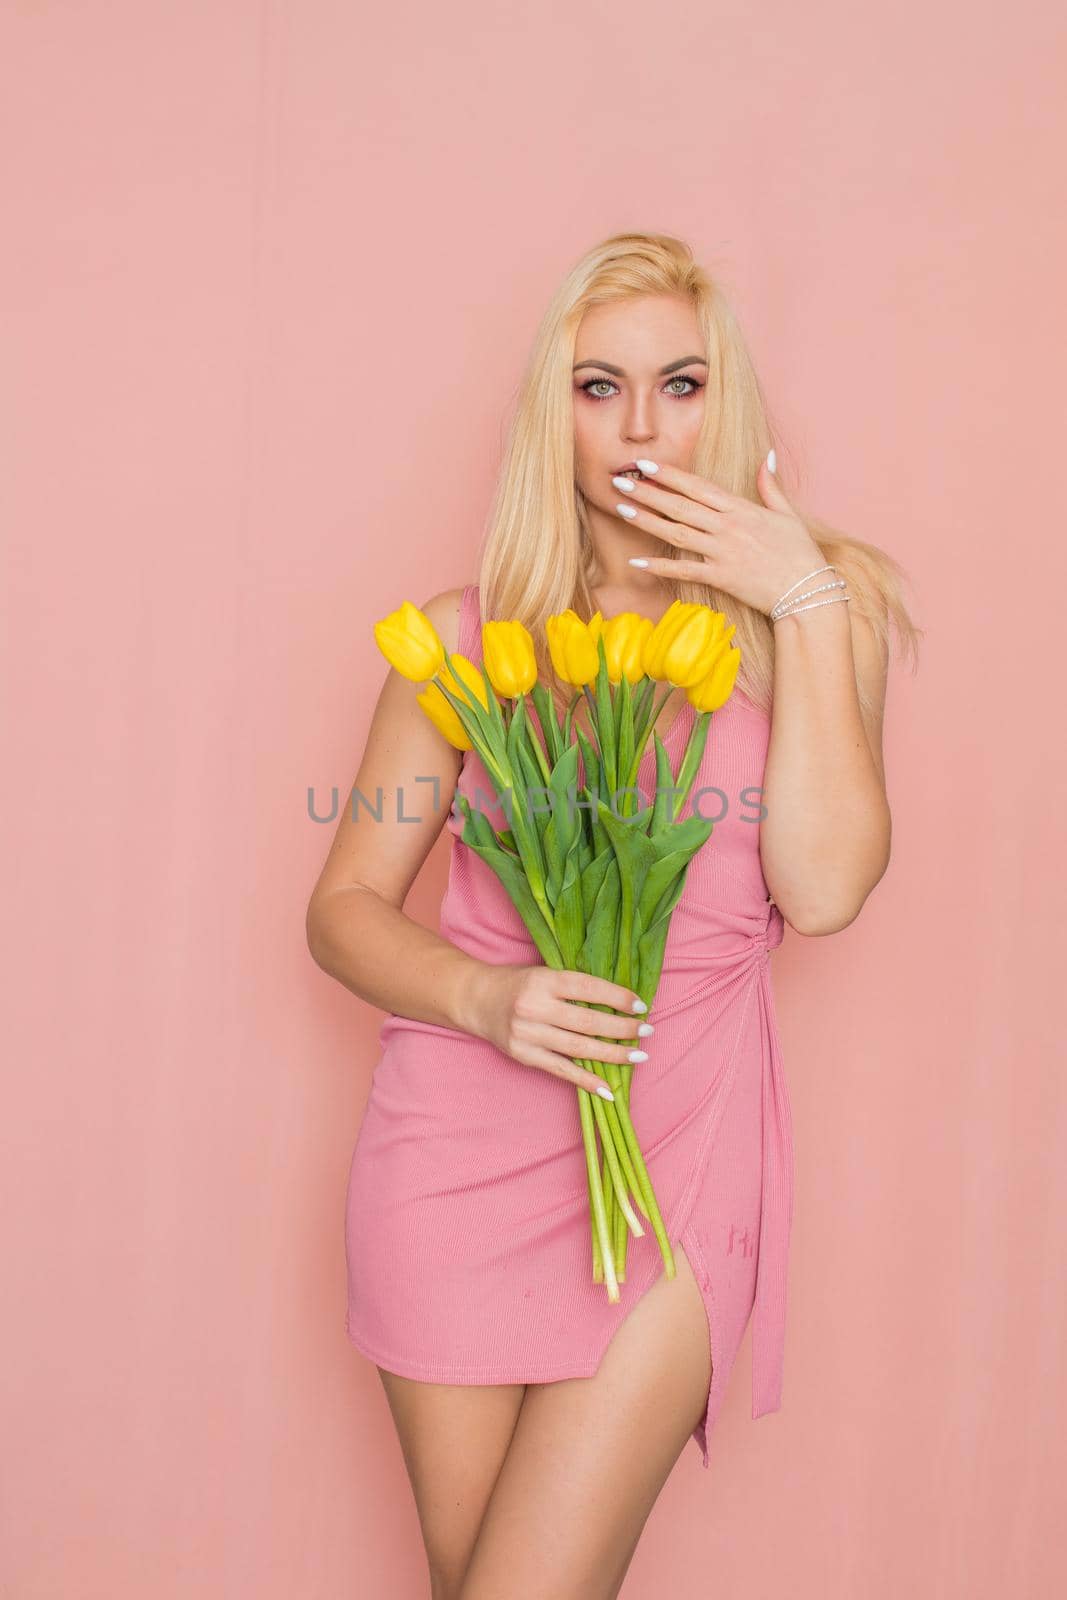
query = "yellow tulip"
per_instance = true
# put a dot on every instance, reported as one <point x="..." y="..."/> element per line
<point x="443" y="717"/>
<point x="472" y="682"/>
<point x="714" y="690"/>
<point x="508" y="653"/>
<point x="624" y="642"/>
<point x="572" y="645"/>
<point x="439" y="708"/>
<point x="684" y="643"/>
<point x="409" y="642"/>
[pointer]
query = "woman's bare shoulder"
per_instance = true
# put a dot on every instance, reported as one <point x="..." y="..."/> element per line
<point x="403" y="751"/>
<point x="443" y="610"/>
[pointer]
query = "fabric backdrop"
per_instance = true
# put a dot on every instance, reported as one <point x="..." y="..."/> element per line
<point x="270" y="275"/>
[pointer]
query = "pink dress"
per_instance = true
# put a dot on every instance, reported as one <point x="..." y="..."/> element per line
<point x="467" y="1227"/>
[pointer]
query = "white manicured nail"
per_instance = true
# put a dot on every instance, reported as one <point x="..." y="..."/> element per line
<point x="639" y="1005"/>
<point x="647" y="466"/>
<point x="772" y="462"/>
<point x="644" y="1030"/>
<point x="626" y="511"/>
<point x="638" y="1055"/>
<point x="626" y="484"/>
<point x="605" y="1093"/>
<point x="638" y="561"/>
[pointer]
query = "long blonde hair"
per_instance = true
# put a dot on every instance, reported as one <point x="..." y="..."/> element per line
<point x="536" y="555"/>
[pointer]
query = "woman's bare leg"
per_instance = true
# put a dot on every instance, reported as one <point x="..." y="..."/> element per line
<point x="589" y="1456"/>
<point x="454" y="1439"/>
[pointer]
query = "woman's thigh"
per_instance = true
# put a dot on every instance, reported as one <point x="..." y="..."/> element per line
<point x="454" y="1439"/>
<point x="590" y="1455"/>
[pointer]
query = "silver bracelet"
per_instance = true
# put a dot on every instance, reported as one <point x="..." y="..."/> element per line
<point x="782" y="609"/>
<point x="789" y="591"/>
<point x="837" y="599"/>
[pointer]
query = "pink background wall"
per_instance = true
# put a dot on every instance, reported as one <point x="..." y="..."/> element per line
<point x="270" y="274"/>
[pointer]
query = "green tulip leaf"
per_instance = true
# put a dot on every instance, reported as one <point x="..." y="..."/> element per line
<point x="602" y="922"/>
<point x="568" y="914"/>
<point x="513" y="877"/>
<point x="546" y="714"/>
<point x="593" y="877"/>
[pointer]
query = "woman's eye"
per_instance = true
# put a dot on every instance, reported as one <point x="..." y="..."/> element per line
<point x="606" y="383"/>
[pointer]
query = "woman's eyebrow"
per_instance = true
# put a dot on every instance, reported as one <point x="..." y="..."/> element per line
<point x="619" y="373"/>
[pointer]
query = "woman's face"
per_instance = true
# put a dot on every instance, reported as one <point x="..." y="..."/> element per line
<point x="625" y="403"/>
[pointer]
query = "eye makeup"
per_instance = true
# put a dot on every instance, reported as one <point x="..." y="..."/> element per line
<point x="591" y="383"/>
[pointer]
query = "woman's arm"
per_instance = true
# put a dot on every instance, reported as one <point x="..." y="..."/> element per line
<point x="825" y="840"/>
<point x="358" y="933"/>
<point x="357" y="930"/>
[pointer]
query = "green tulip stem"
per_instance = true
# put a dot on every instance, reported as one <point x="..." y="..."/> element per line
<point x="641" y="740"/>
<point x="645" y="1185"/>
<point x="650" y="722"/>
<point x="545" y="706"/>
<point x="568" y="717"/>
<point x="601" y="1108"/>
<point x="530" y="859"/>
<point x="596" y="1191"/>
<point x="481" y="727"/>
<point x="610" y="1208"/>
<point x="487" y="721"/>
<point x="606" y="756"/>
<point x="525" y="843"/>
<point x="620" y="1241"/>
<point x="621" y="1147"/>
<point x="535" y="744"/>
<point x="598" y="1256"/>
<point x="694" y="752"/>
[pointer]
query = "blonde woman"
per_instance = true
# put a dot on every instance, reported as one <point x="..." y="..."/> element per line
<point x="539" y="1421"/>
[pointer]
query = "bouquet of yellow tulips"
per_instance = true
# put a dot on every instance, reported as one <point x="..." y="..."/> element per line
<point x="594" y="882"/>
